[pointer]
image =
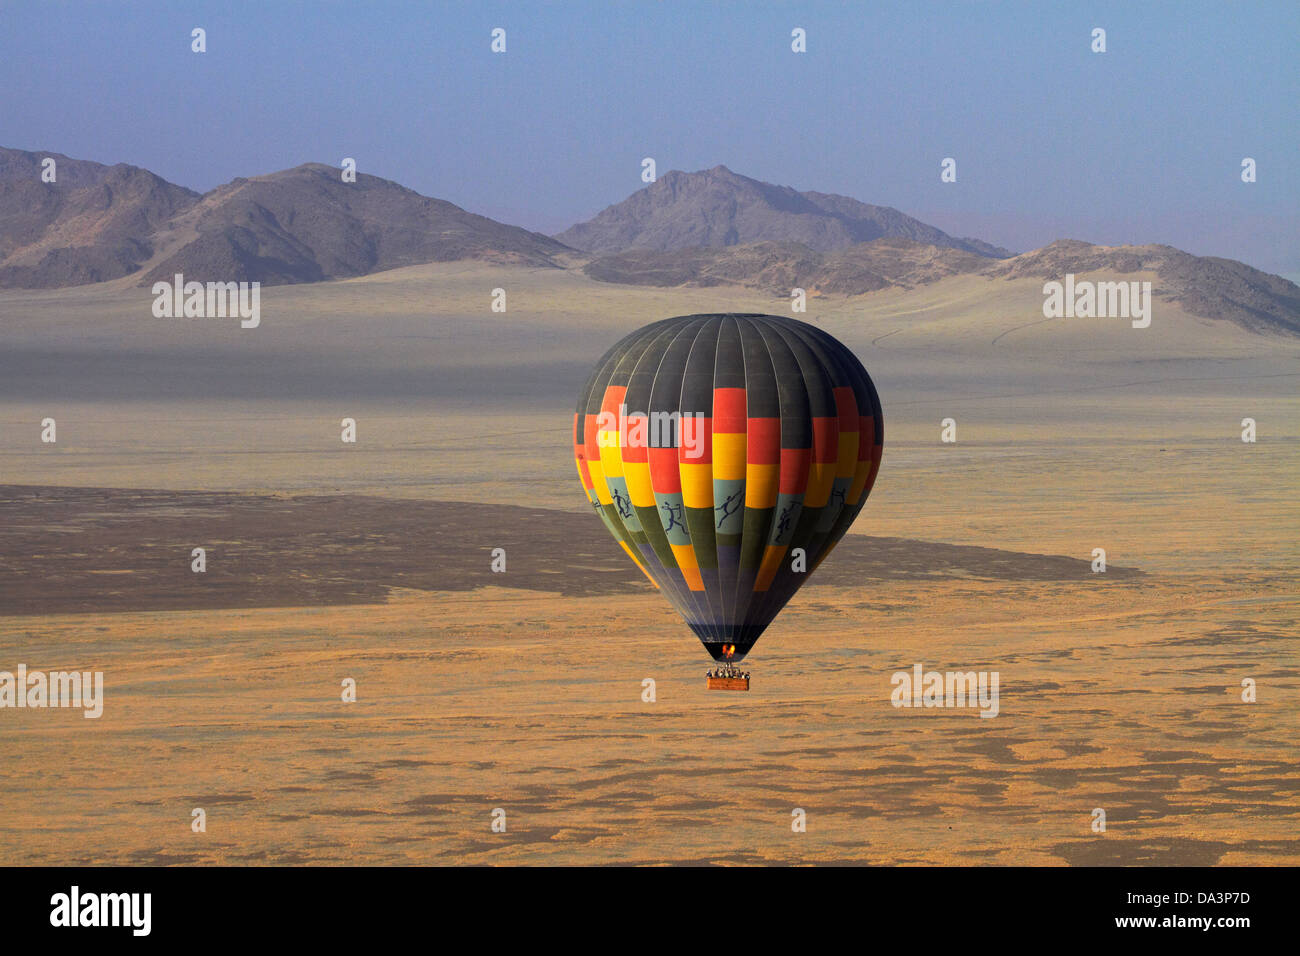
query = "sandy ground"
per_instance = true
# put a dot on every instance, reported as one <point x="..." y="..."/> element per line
<point x="523" y="691"/>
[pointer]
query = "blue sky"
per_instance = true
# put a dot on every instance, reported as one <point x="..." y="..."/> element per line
<point x="1140" y="144"/>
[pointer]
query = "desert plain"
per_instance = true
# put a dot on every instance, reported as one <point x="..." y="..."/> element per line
<point x="523" y="690"/>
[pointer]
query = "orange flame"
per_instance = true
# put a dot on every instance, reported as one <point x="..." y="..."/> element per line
<point x="728" y="651"/>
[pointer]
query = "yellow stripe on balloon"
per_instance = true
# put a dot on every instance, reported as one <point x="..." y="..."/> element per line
<point x="761" y="485"/>
<point x="639" y="489"/>
<point x="848" y="454"/>
<point x="821" y="475"/>
<point x="611" y="455"/>
<point x="690" y="568"/>
<point x="767" y="570"/>
<point x="697" y="485"/>
<point x="728" y="455"/>
<point x="598" y="482"/>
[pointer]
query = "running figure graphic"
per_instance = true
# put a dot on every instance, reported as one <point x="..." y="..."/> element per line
<point x="622" y="504"/>
<point x="783" y="521"/>
<point x="728" y="507"/>
<point x="674" y="516"/>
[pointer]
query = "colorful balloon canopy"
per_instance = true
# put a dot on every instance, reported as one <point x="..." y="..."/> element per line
<point x="728" y="454"/>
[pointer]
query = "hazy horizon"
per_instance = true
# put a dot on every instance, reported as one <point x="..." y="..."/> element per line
<point x="1140" y="144"/>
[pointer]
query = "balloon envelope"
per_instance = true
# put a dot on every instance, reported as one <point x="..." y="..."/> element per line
<point x="728" y="454"/>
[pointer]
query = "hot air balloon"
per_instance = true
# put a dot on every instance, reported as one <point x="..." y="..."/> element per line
<point x="728" y="454"/>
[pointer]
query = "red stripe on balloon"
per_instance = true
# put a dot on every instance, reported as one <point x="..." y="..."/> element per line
<point x="728" y="410"/>
<point x="826" y="439"/>
<point x="794" y="470"/>
<point x="763" y="441"/>
<point x="665" y="475"/>
<point x="637" y="445"/>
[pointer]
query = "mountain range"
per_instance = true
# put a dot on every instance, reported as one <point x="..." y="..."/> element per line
<point x="716" y="207"/>
<point x="304" y="224"/>
<point x="1207" y="286"/>
<point x="94" y="223"/>
<point x="97" y="223"/>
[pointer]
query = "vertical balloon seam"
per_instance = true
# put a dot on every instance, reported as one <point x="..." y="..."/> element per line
<point x="690" y="326"/>
<point x="825" y="534"/>
<point x="793" y="403"/>
<point x="653" y="358"/>
<point x="868" y="409"/>
<point x="703" y="539"/>
<point x="630" y="347"/>
<point x="643" y="350"/>
<point x="582" y="456"/>
<point x="750" y="623"/>
<point x="726" y="594"/>
<point x="835" y="354"/>
<point x="761" y="390"/>
<point x="813" y="375"/>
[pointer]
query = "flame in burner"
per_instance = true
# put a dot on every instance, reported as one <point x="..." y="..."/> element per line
<point x="728" y="651"/>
